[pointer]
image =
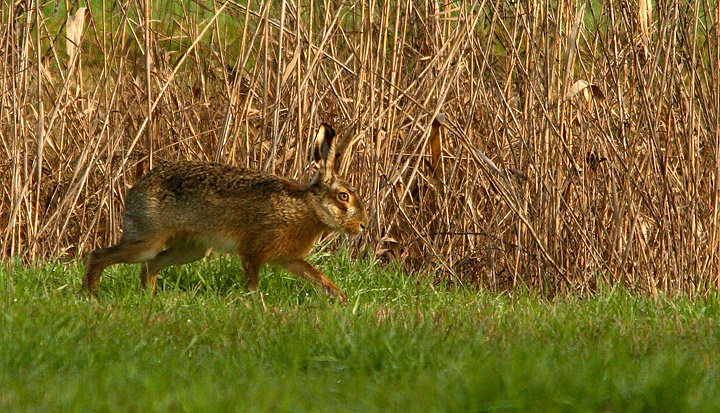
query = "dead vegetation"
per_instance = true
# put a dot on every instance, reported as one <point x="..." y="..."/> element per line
<point x="550" y="145"/>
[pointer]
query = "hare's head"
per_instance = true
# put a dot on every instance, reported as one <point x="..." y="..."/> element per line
<point x="339" y="206"/>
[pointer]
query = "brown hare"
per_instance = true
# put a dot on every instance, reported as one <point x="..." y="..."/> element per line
<point x="179" y="212"/>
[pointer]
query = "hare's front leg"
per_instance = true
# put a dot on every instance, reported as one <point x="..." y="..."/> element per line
<point x="302" y="269"/>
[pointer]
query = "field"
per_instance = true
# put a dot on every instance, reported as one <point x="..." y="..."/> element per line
<point x="542" y="180"/>
<point x="402" y="344"/>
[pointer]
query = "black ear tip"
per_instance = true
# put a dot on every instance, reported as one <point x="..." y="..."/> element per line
<point x="329" y="131"/>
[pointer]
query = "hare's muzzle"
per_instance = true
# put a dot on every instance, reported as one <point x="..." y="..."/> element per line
<point x="359" y="224"/>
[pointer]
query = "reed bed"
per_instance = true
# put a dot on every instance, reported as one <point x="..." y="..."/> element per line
<point x="556" y="145"/>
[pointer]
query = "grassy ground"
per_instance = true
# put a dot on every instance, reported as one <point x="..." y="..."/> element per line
<point x="203" y="343"/>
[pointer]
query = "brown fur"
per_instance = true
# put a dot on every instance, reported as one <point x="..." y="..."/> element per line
<point x="179" y="212"/>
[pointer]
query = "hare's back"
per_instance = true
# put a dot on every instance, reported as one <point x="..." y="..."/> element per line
<point x="190" y="194"/>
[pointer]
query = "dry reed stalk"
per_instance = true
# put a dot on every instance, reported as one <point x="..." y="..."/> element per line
<point x="580" y="143"/>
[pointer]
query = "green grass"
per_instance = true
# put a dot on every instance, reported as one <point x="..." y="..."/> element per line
<point x="401" y="344"/>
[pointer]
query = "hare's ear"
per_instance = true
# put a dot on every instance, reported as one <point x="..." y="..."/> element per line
<point x="324" y="153"/>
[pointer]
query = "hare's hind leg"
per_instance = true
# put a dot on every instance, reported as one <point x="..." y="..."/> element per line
<point x="182" y="251"/>
<point x="251" y="268"/>
<point x="123" y="252"/>
<point x="302" y="269"/>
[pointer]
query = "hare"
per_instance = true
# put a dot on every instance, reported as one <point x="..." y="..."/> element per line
<point x="179" y="212"/>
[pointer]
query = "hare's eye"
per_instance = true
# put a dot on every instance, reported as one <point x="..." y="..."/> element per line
<point x="343" y="196"/>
